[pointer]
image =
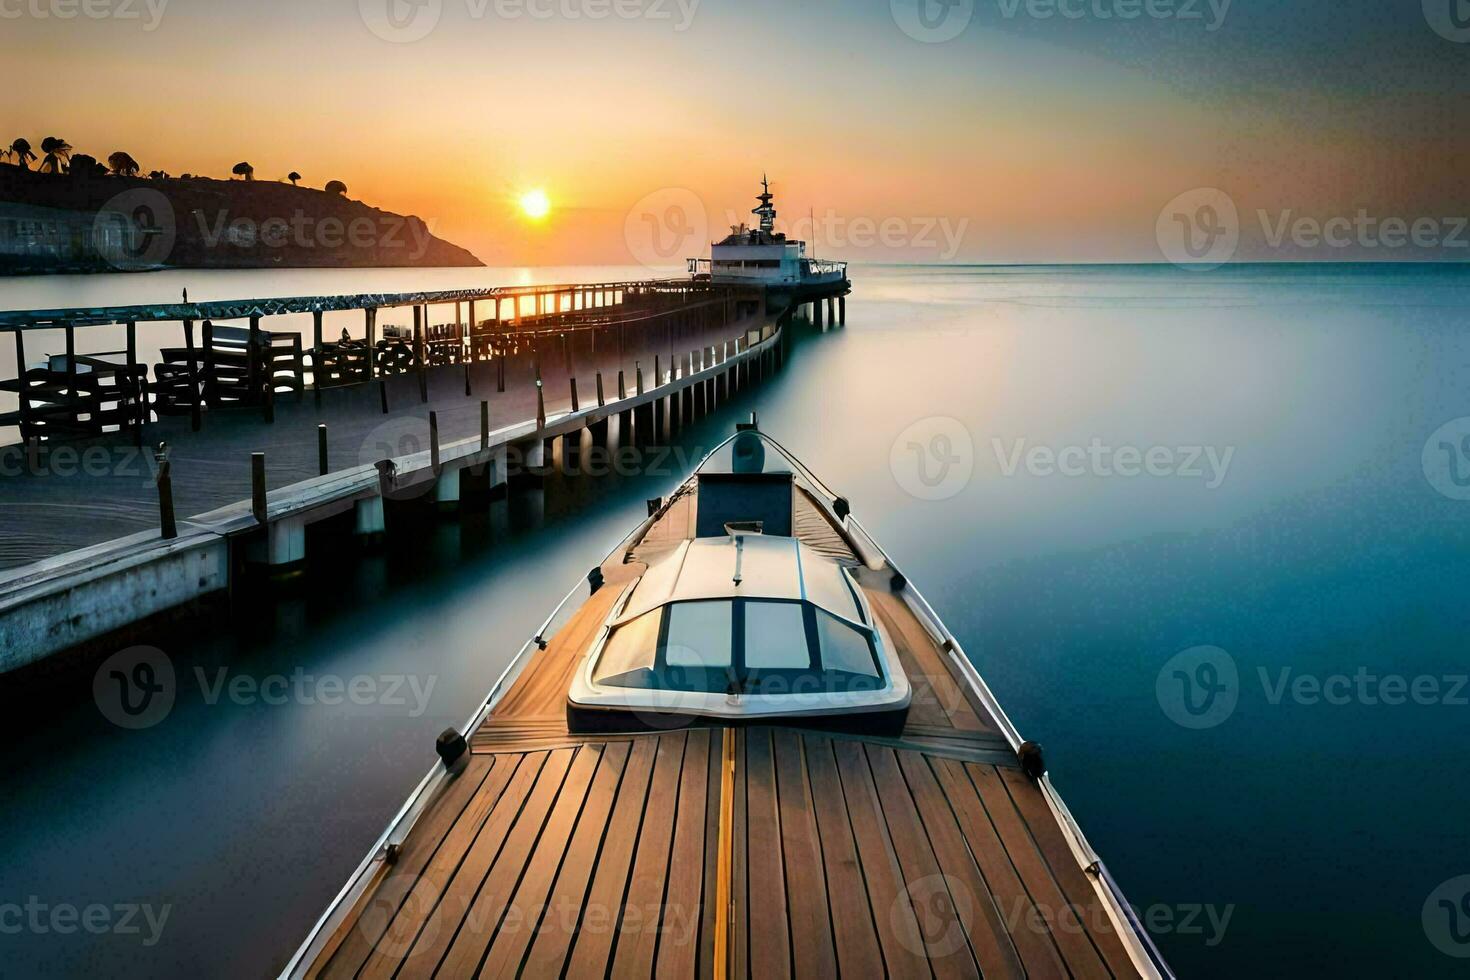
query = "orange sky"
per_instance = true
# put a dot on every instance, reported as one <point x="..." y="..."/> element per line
<point x="1016" y="141"/>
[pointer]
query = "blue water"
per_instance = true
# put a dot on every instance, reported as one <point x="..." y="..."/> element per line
<point x="1322" y="539"/>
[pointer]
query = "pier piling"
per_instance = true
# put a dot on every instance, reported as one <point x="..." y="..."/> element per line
<point x="321" y="449"/>
<point x="257" y="487"/>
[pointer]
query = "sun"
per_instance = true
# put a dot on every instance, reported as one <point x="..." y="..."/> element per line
<point x="535" y="204"/>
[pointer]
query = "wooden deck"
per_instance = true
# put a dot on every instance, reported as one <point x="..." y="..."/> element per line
<point x="927" y="853"/>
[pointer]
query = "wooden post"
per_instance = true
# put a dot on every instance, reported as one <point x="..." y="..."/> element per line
<point x="622" y="386"/>
<point x="370" y="316"/>
<point x="321" y="448"/>
<point x="434" y="442"/>
<point x="316" y="357"/>
<point x="600" y="400"/>
<point x="419" y="316"/>
<point x="540" y="405"/>
<point x="165" y="483"/>
<point x="500" y="372"/>
<point x="658" y="378"/>
<point x="193" y="375"/>
<point x="257" y="487"/>
<point x="576" y="406"/>
<point x="252" y="356"/>
<point x="140" y="417"/>
<point x="484" y="425"/>
<point x="210" y="379"/>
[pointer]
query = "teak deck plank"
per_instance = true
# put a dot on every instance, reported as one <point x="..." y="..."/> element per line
<point x="679" y="933"/>
<point x="898" y="930"/>
<point x="972" y="896"/>
<point x="940" y="924"/>
<point x="807" y="908"/>
<point x="523" y="919"/>
<point x="592" y="946"/>
<point x="564" y="769"/>
<point x="553" y="937"/>
<point x="1039" y="822"/>
<point x="938" y="700"/>
<point x="444" y="920"/>
<point x="765" y="897"/>
<point x="854" y="931"/>
<point x="638" y="926"/>
<point x="711" y="856"/>
<point x="1038" y="949"/>
<point x="380" y="906"/>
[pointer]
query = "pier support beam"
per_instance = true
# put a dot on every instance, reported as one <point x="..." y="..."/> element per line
<point x="447" y="490"/>
<point x="368" y="515"/>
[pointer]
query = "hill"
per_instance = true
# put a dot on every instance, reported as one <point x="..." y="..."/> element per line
<point x="97" y="222"/>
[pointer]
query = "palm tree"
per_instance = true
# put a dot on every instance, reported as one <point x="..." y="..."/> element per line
<point x="20" y="150"/>
<point x="243" y="169"/>
<point x="293" y="177"/>
<point x="58" y="155"/>
<point x="336" y="187"/>
<point x="123" y="164"/>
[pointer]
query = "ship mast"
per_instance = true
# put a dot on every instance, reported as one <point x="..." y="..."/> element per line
<point x="766" y="211"/>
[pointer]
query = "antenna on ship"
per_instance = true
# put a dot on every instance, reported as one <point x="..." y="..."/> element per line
<point x="766" y="211"/>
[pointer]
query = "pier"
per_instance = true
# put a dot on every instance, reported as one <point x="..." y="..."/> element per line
<point x="137" y="488"/>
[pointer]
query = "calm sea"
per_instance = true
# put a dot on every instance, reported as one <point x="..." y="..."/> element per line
<point x="1206" y="535"/>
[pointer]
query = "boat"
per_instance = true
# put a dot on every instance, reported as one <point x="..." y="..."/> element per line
<point x="745" y="745"/>
<point x="762" y="256"/>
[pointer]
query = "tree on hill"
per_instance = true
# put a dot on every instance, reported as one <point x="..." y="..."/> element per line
<point x="336" y="187"/>
<point x="58" y="155"/>
<point x="157" y="175"/>
<point x="243" y="169"/>
<point x="83" y="166"/>
<point x="20" y="152"/>
<point x="122" y="164"/>
<point x="293" y="177"/>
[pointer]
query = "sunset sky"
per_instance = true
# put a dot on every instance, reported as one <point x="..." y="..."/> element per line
<point x="1023" y="138"/>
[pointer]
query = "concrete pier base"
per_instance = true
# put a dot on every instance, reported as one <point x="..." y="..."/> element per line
<point x="368" y="516"/>
<point x="446" y="491"/>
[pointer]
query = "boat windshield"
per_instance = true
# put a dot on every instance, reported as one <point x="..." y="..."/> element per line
<point x="740" y="646"/>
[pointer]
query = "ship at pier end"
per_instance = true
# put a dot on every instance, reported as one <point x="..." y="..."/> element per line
<point x="765" y="257"/>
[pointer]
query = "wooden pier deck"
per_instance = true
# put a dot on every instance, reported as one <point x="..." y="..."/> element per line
<point x="69" y="491"/>
<point x="758" y="850"/>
